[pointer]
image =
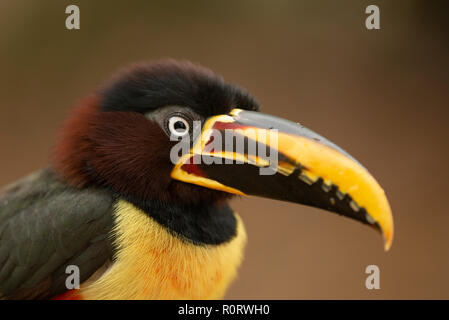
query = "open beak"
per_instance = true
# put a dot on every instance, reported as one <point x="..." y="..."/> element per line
<point x="251" y="153"/>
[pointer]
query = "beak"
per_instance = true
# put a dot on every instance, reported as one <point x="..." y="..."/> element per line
<point x="251" y="153"/>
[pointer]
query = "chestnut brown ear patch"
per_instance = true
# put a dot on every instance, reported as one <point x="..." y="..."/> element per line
<point x="73" y="149"/>
<point x="130" y="154"/>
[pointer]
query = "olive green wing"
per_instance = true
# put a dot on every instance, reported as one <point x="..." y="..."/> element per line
<point x="45" y="226"/>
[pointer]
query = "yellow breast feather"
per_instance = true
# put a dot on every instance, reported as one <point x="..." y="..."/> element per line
<point x="153" y="263"/>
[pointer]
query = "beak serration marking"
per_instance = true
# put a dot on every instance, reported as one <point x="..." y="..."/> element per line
<point x="336" y="196"/>
<point x="369" y="219"/>
<point x="354" y="206"/>
<point x="305" y="178"/>
<point x="326" y="186"/>
<point x="340" y="195"/>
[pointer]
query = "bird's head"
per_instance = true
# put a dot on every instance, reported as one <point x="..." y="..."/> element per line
<point x="178" y="133"/>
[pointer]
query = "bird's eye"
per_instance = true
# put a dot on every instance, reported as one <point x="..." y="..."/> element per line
<point x="178" y="126"/>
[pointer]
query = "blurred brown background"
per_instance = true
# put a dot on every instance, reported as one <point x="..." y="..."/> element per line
<point x="381" y="95"/>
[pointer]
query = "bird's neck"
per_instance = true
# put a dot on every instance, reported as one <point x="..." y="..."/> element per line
<point x="200" y="224"/>
<point x="152" y="263"/>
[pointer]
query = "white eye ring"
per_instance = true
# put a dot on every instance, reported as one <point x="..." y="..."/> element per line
<point x="178" y="126"/>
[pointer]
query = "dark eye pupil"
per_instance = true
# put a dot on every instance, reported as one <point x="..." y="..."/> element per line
<point x="180" y="126"/>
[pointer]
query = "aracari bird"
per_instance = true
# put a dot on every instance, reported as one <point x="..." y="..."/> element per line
<point x="139" y="226"/>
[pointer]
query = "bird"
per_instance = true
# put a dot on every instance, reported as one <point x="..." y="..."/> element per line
<point x="137" y="189"/>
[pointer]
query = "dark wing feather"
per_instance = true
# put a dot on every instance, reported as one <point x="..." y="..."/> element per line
<point x="44" y="227"/>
